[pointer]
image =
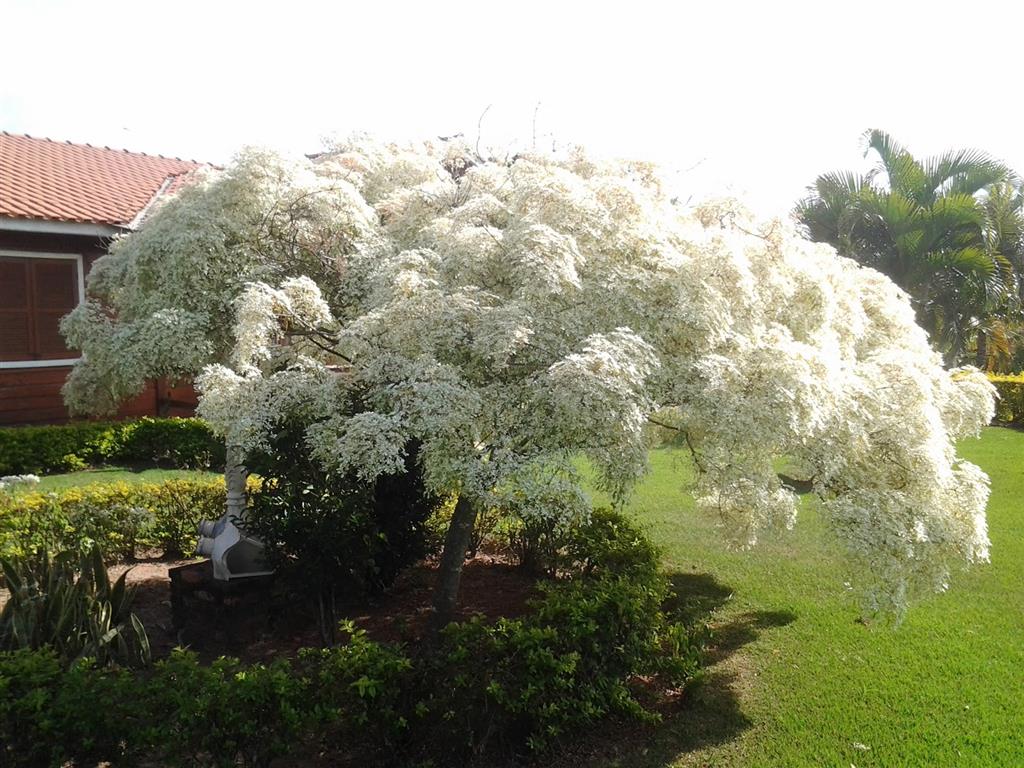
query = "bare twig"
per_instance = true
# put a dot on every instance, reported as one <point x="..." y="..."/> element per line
<point x="536" y="109"/>
<point x="479" y="128"/>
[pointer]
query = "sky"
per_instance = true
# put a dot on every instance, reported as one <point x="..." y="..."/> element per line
<point x="747" y="98"/>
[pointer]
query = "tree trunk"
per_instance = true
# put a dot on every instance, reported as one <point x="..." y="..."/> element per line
<point x="981" y="357"/>
<point x="456" y="544"/>
<point x="326" y="603"/>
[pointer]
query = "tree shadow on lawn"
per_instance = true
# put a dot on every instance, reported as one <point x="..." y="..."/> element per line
<point x="707" y="714"/>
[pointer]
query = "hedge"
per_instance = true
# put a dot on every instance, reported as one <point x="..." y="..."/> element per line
<point x="176" y="443"/>
<point x="1010" y="405"/>
<point x="123" y="518"/>
<point x="513" y="687"/>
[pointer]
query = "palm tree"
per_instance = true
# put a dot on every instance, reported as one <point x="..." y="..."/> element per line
<point x="939" y="227"/>
<point x="1000" y="326"/>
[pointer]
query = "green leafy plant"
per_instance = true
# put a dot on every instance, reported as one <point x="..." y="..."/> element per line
<point x="68" y="603"/>
<point x="570" y="661"/>
<point x="28" y="680"/>
<point x="176" y="443"/>
<point x="329" y="529"/>
<point x="360" y="691"/>
<point x="224" y="712"/>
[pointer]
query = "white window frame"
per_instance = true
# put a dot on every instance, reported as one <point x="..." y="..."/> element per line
<point x="80" y="262"/>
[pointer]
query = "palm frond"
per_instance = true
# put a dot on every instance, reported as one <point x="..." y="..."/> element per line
<point x="903" y="172"/>
<point x="964" y="171"/>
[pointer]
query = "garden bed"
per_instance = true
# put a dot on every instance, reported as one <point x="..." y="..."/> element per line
<point x="492" y="587"/>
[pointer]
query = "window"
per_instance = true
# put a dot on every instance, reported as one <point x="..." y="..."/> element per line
<point x="36" y="291"/>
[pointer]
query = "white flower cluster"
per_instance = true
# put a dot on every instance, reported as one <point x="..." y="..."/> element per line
<point x="508" y="314"/>
<point x="266" y="316"/>
<point x="10" y="483"/>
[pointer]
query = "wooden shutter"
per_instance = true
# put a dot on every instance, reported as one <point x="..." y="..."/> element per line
<point x="35" y="293"/>
<point x="16" y="341"/>
<point x="55" y="293"/>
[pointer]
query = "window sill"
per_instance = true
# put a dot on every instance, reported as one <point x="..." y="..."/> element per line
<point x="16" y="364"/>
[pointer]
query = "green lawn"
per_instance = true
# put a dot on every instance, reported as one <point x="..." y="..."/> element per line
<point x="114" y="475"/>
<point x="796" y="680"/>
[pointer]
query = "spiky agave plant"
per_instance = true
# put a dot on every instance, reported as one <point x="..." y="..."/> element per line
<point x="67" y="602"/>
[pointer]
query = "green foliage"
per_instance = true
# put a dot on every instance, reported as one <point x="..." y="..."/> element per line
<point x="68" y="603"/>
<point x="27" y="683"/>
<point x="360" y="692"/>
<point x="330" y="529"/>
<point x="526" y="683"/>
<point x="120" y="517"/>
<point x="611" y="543"/>
<point x="224" y="712"/>
<point x="182" y="712"/>
<point x="568" y="663"/>
<point x="50" y="715"/>
<point x="179" y="443"/>
<point x="516" y="686"/>
<point x="93" y="712"/>
<point x="1010" y="405"/>
<point x="603" y="541"/>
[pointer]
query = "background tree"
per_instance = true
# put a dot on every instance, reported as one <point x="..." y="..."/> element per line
<point x="510" y="314"/>
<point x="1001" y="323"/>
<point x="942" y="228"/>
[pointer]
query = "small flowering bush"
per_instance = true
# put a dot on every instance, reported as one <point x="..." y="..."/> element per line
<point x="11" y="483"/>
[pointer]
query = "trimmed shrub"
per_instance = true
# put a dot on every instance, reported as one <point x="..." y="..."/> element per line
<point x="175" y="443"/>
<point x="218" y="714"/>
<point x="521" y="685"/>
<point x="28" y="680"/>
<point x="121" y="517"/>
<point x="1010" y="405"/>
<point x="603" y="541"/>
<point x="361" y="693"/>
<point x="50" y="715"/>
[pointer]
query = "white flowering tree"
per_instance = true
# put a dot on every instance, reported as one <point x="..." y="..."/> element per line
<point x="510" y="315"/>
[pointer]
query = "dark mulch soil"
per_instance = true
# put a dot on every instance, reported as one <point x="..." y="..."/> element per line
<point x="270" y="624"/>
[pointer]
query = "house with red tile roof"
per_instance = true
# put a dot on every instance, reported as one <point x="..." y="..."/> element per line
<point x="60" y="205"/>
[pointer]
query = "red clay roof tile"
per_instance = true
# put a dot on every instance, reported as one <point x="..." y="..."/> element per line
<point x="61" y="181"/>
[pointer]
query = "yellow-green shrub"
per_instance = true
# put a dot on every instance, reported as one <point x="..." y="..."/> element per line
<point x="122" y="518"/>
<point x="1010" y="405"/>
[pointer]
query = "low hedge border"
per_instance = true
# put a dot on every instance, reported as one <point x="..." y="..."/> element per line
<point x="1010" y="405"/>
<point x="514" y="687"/>
<point x="175" y="443"/>
<point x="123" y="518"/>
